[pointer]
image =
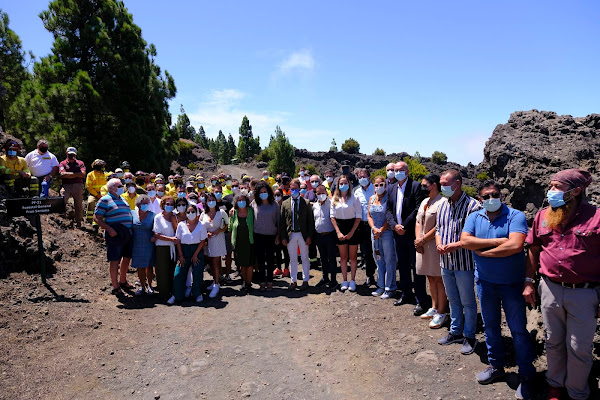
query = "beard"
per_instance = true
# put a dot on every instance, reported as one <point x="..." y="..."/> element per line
<point x="558" y="217"/>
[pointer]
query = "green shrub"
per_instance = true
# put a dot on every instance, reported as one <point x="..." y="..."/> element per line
<point x="265" y="155"/>
<point x="483" y="176"/>
<point x="470" y="190"/>
<point x="312" y="170"/>
<point x="416" y="170"/>
<point x="381" y="172"/>
<point x="192" y="166"/>
<point x="439" y="158"/>
<point x="379" y="152"/>
<point x="351" y="146"/>
<point x="186" y="146"/>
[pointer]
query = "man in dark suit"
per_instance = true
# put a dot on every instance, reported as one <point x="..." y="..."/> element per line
<point x="404" y="198"/>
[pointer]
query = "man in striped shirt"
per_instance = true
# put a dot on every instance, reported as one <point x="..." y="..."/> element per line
<point x="113" y="215"/>
<point x="458" y="270"/>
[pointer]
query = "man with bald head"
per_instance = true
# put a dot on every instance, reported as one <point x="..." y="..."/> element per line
<point x="404" y="197"/>
<point x="565" y="244"/>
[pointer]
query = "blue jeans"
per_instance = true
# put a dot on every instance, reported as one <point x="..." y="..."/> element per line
<point x="492" y="296"/>
<point x="385" y="260"/>
<point x="461" y="296"/>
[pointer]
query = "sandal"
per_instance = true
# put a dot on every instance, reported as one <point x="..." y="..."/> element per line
<point x="117" y="292"/>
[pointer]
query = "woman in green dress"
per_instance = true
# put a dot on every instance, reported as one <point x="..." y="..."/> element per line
<point x="241" y="227"/>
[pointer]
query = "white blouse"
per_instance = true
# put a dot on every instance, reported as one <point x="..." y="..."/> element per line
<point x="183" y="233"/>
<point x="164" y="227"/>
<point x="349" y="208"/>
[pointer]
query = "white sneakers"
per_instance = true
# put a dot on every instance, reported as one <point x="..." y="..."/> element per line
<point x="199" y="299"/>
<point x="438" y="320"/>
<point x="171" y="301"/>
<point x="352" y="286"/>
<point x="214" y="291"/>
<point x="429" y="314"/>
<point x="378" y="292"/>
<point x="344" y="286"/>
<point x="386" y="295"/>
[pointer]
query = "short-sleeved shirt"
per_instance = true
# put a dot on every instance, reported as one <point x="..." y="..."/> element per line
<point x="571" y="254"/>
<point x="183" y="233"/>
<point x="76" y="166"/>
<point x="449" y="225"/>
<point x="349" y="209"/>
<point x="41" y="164"/>
<point x="501" y="270"/>
<point x="114" y="210"/>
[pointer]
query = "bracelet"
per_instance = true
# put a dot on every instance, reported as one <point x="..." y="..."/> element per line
<point x="529" y="280"/>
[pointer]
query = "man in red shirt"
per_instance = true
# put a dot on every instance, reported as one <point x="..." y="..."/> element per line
<point x="565" y="244"/>
<point x="72" y="173"/>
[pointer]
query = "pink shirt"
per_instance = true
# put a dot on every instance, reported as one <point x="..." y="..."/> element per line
<point x="570" y="255"/>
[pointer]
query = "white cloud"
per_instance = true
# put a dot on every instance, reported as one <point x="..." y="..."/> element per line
<point x="301" y="60"/>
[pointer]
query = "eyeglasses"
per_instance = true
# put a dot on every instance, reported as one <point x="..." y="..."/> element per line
<point x="495" y="195"/>
<point x="379" y="184"/>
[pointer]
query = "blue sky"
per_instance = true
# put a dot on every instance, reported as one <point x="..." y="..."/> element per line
<point x="403" y="76"/>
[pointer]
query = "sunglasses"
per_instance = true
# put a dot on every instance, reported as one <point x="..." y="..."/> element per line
<point x="488" y="196"/>
<point x="190" y="212"/>
<point x="314" y="183"/>
<point x="235" y="186"/>
<point x="379" y="184"/>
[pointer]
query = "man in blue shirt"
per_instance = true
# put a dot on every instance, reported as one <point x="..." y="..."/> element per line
<point x="496" y="235"/>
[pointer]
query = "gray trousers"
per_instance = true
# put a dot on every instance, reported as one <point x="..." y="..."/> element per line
<point x="570" y="320"/>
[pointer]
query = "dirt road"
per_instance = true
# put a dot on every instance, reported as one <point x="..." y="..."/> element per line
<point x="73" y="340"/>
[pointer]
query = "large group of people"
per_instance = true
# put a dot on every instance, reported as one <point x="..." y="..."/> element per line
<point x="410" y="232"/>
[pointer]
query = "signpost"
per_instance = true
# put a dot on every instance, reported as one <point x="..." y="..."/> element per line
<point x="36" y="206"/>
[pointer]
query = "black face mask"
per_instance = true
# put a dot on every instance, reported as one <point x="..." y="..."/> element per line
<point x="425" y="189"/>
<point x="43" y="149"/>
<point x="98" y="168"/>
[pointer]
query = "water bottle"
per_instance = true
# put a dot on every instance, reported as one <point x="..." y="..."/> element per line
<point x="45" y="189"/>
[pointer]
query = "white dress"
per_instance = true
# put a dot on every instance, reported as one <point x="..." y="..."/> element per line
<point x="216" y="244"/>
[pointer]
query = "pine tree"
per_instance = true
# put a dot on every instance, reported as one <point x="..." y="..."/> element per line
<point x="231" y="147"/>
<point x="201" y="138"/>
<point x="248" y="146"/>
<point x="100" y="89"/>
<point x="183" y="126"/>
<point x="221" y="151"/>
<point x="13" y="71"/>
<point x="283" y="154"/>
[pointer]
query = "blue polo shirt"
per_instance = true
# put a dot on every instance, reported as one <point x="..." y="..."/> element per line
<point x="500" y="270"/>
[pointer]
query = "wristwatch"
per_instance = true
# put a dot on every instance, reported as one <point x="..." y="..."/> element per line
<point x="529" y="280"/>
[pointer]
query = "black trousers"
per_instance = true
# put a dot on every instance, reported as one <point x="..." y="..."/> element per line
<point x="282" y="256"/>
<point x="409" y="280"/>
<point x="366" y="248"/>
<point x="264" y="247"/>
<point x="327" y="252"/>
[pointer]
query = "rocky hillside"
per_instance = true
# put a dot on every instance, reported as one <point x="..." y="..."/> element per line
<point x="524" y="153"/>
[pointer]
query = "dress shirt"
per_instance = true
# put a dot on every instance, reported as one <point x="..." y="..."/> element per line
<point x="363" y="197"/>
<point x="399" y="200"/>
<point x="322" y="214"/>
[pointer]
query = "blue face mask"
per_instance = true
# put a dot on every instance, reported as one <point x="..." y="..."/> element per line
<point x="448" y="191"/>
<point x="218" y="195"/>
<point x="120" y="191"/>
<point x="556" y="198"/>
<point x="295" y="193"/>
<point x="263" y="196"/>
<point x="169" y="209"/>
<point x="400" y="175"/>
<point x="160" y="194"/>
<point x="152" y="193"/>
<point x="363" y="181"/>
<point x="201" y="185"/>
<point x="12" y="153"/>
<point x="180" y="195"/>
<point x="145" y="207"/>
<point x="211" y="204"/>
<point x="303" y="191"/>
<point x="344" y="187"/>
<point x="242" y="204"/>
<point x="492" y="205"/>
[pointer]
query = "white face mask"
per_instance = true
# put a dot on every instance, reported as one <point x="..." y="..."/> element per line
<point x="191" y="216"/>
<point x="329" y="179"/>
<point x="322" y="197"/>
<point x="390" y="174"/>
<point x="131" y="189"/>
<point x="278" y="198"/>
<point x="181" y="209"/>
<point x="379" y="190"/>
